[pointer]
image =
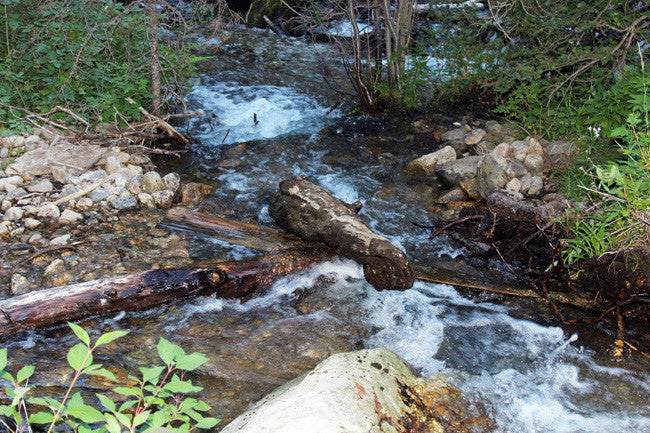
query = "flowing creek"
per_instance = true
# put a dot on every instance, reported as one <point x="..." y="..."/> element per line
<point x="267" y="94"/>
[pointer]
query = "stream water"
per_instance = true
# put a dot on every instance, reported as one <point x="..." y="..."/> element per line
<point x="267" y="94"/>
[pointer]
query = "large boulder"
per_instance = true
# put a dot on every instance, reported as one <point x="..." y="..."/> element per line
<point x="369" y="391"/>
<point x="40" y="161"/>
<point x="452" y="172"/>
<point x="491" y="176"/>
<point x="311" y="212"/>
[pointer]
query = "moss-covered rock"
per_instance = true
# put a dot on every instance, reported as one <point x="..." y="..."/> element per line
<point x="273" y="9"/>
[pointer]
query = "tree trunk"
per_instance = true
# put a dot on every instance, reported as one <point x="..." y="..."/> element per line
<point x="154" y="63"/>
<point x="147" y="289"/>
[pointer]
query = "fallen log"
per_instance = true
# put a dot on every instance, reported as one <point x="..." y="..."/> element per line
<point x="313" y="213"/>
<point x="147" y="289"/>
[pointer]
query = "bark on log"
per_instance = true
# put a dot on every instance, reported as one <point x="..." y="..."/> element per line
<point x="443" y="271"/>
<point x="147" y="289"/>
<point x="311" y="212"/>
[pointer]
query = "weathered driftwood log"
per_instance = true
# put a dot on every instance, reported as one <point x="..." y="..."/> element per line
<point x="443" y="270"/>
<point x="504" y="205"/>
<point x="311" y="212"/>
<point x="147" y="289"/>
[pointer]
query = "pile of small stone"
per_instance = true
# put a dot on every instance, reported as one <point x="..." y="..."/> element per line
<point x="47" y="179"/>
<point x="475" y="162"/>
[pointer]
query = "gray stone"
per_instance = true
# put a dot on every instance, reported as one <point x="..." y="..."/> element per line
<point x="57" y="266"/>
<point x="4" y="227"/>
<point x="534" y="146"/>
<point x="72" y="178"/>
<point x="341" y="395"/>
<point x="49" y="210"/>
<point x="454" y="135"/>
<point x="98" y="194"/>
<point x="491" y="176"/>
<point x="152" y="182"/>
<point x="514" y="184"/>
<point x="16" y="193"/>
<point x="493" y="127"/>
<point x="14" y="214"/>
<point x="94" y="176"/>
<point x="11" y="180"/>
<point x="84" y="203"/>
<point x="146" y="200"/>
<point x="6" y="204"/>
<point x="560" y="147"/>
<point x="426" y="165"/>
<point x="19" y="285"/>
<point x="474" y="137"/>
<point x="519" y="150"/>
<point x="534" y="163"/>
<point x="60" y="240"/>
<point x="514" y="195"/>
<point x="35" y="239"/>
<point x="536" y="185"/>
<point x="42" y="186"/>
<point x="140" y="159"/>
<point x="34" y="141"/>
<point x="69" y="217"/>
<point x="59" y="173"/>
<point x="69" y="190"/>
<point x="516" y="169"/>
<point x="172" y="181"/>
<point x="4" y="152"/>
<point x="112" y="165"/>
<point x="450" y="173"/>
<point x="135" y="184"/>
<point x="125" y="203"/>
<point x="453" y="195"/>
<point x="135" y="170"/>
<point x="119" y="179"/>
<point x="525" y="182"/>
<point x="163" y="199"/>
<point x="38" y="162"/>
<point x="31" y="223"/>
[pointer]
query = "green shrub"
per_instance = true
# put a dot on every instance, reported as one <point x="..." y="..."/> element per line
<point x="86" y="55"/>
<point x="622" y="188"/>
<point x="158" y="400"/>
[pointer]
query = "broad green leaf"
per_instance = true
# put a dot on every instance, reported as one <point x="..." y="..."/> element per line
<point x="42" y="417"/>
<point x="182" y="386"/>
<point x="75" y="400"/>
<point x="106" y="402"/>
<point x="7" y="411"/>
<point x="127" y="405"/>
<point x="151" y="374"/>
<point x="191" y="362"/>
<point x="25" y="373"/>
<point x="110" y="336"/>
<point x="112" y="425"/>
<point x="168" y="351"/>
<point x="7" y="376"/>
<point x="86" y="413"/>
<point x="207" y="423"/>
<point x="128" y="391"/>
<point x="154" y="401"/>
<point x="160" y="418"/>
<point x="141" y="418"/>
<point x="79" y="356"/>
<point x="124" y="419"/>
<point x="202" y="406"/>
<point x="102" y="372"/>
<point x="3" y="359"/>
<point x="80" y="333"/>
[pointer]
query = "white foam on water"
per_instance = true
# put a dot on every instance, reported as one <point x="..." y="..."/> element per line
<point x="235" y="113"/>
<point x="344" y="29"/>
<point x="538" y="381"/>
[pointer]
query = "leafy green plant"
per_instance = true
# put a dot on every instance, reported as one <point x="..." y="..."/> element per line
<point x="159" y="398"/>
<point x="85" y="55"/>
<point x="623" y="186"/>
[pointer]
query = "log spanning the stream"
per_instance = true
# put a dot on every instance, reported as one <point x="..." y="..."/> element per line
<point x="239" y="279"/>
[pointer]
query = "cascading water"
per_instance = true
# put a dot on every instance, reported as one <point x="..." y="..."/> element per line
<point x="537" y="378"/>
